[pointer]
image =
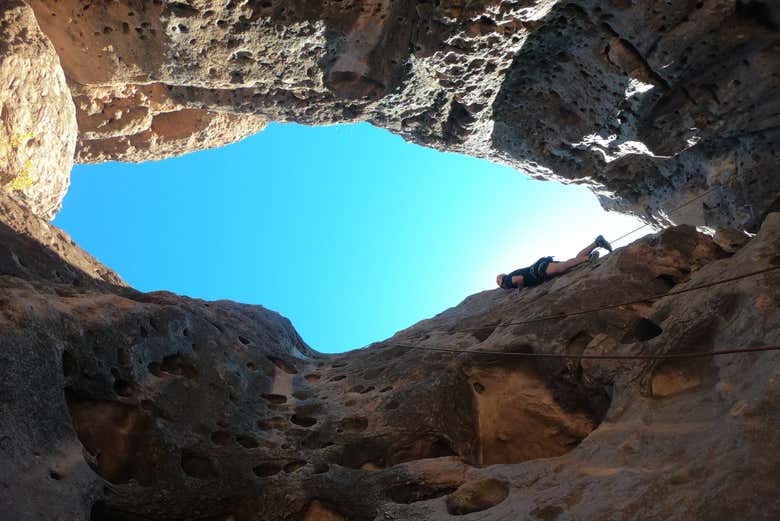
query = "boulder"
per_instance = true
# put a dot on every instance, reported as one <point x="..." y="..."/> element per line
<point x="37" y="115"/>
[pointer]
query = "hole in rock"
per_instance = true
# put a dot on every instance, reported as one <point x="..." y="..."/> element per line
<point x="294" y="465"/>
<point x="116" y="435"/>
<point x="642" y="330"/>
<point x="243" y="340"/>
<point x="548" y="512"/>
<point x="477" y="496"/>
<point x="123" y="387"/>
<point x="517" y="417"/>
<point x="221" y="438"/>
<point x="178" y="365"/>
<point x="283" y="364"/>
<point x="579" y="342"/>
<point x="312" y="377"/>
<point x="197" y="465"/>
<point x="484" y="333"/>
<point x="338" y="378"/>
<point x="55" y="475"/>
<point x="123" y="357"/>
<point x="276" y="399"/>
<point x="411" y="492"/>
<point x="248" y="442"/>
<point x="319" y="511"/>
<point x="757" y="13"/>
<point x="385" y="389"/>
<point x="321" y="468"/>
<point x="666" y="282"/>
<point x="101" y="512"/>
<point x="265" y="470"/>
<point x="69" y="365"/>
<point x="356" y="455"/>
<point x="303" y="421"/>
<point x="422" y="448"/>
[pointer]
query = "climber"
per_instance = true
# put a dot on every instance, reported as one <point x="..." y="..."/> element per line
<point x="546" y="268"/>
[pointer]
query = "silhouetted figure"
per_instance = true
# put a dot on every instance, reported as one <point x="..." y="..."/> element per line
<point x="546" y="268"/>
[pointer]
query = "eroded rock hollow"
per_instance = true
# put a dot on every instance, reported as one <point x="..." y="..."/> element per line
<point x="117" y="405"/>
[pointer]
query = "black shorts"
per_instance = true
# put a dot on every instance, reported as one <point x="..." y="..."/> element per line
<point x="534" y="274"/>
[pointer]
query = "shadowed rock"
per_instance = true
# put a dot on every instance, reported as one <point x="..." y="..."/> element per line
<point x="156" y="394"/>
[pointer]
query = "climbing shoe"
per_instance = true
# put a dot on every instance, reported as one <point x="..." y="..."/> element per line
<point x="593" y="257"/>
<point x="601" y="242"/>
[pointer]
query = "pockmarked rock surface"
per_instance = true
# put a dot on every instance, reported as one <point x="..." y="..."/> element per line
<point x="121" y="405"/>
<point x="37" y="116"/>
<point x="648" y="103"/>
<point x="117" y="405"/>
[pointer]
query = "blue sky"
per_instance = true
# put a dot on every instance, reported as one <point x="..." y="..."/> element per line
<point x="347" y="230"/>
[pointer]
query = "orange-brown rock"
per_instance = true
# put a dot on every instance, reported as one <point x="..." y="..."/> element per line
<point x="120" y="405"/>
<point x="117" y="405"/>
<point x="650" y="104"/>
<point x="37" y="117"/>
<point x="140" y="122"/>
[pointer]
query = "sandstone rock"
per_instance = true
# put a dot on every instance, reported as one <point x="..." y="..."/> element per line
<point x="649" y="105"/>
<point x="476" y="496"/>
<point x="37" y="117"/>
<point x="124" y="405"/>
<point x="121" y="405"/>
<point x="319" y="512"/>
<point x="140" y="122"/>
<point x="37" y="251"/>
<point x="730" y="239"/>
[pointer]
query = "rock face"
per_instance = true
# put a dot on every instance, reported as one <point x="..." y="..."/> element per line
<point x="37" y="116"/>
<point x="140" y="122"/>
<point x="648" y="103"/>
<point x="119" y="405"/>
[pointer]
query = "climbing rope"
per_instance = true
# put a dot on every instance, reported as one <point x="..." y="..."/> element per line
<point x="686" y="203"/>
<point x="649" y="298"/>
<point x="700" y="354"/>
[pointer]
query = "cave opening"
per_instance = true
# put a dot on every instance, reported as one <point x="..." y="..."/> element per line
<point x="319" y="222"/>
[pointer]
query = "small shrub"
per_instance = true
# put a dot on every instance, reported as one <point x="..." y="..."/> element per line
<point x="14" y="156"/>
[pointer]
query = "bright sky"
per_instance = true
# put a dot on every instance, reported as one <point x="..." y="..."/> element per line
<point x="347" y="230"/>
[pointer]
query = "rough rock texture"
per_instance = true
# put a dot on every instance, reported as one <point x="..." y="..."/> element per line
<point x="37" y="116"/>
<point x="650" y="103"/>
<point x="140" y="122"/>
<point x="119" y="405"/>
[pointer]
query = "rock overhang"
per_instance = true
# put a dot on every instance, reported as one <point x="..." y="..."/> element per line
<point x="163" y="406"/>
